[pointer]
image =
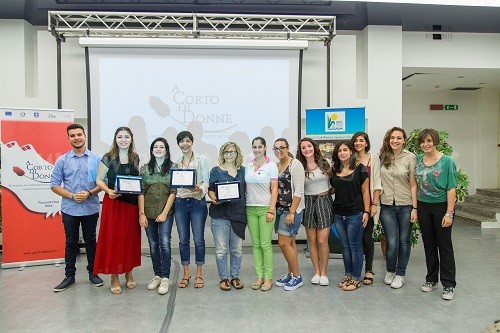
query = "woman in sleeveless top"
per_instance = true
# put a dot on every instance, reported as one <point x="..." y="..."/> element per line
<point x="119" y="244"/>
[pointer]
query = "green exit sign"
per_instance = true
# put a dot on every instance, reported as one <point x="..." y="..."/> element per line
<point x="451" y="107"/>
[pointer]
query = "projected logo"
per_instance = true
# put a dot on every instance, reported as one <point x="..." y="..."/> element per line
<point x="190" y="109"/>
<point x="335" y="121"/>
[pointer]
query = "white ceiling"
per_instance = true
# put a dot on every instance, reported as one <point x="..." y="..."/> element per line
<point x="442" y="79"/>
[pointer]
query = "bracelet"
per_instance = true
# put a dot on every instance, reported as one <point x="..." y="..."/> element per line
<point x="73" y="196"/>
<point x="141" y="213"/>
<point x="90" y="194"/>
<point x="291" y="213"/>
<point x="449" y="213"/>
<point x="366" y="213"/>
<point x="415" y="208"/>
<point x="375" y="204"/>
<point x="270" y="212"/>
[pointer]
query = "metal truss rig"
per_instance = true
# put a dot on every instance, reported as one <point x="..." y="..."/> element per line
<point x="196" y="25"/>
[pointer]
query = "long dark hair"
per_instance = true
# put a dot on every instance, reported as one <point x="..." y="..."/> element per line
<point x="263" y="141"/>
<point x="322" y="162"/>
<point x="337" y="163"/>
<point x="386" y="153"/>
<point x="167" y="163"/>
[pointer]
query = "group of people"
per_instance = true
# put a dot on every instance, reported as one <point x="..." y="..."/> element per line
<point x="344" y="193"/>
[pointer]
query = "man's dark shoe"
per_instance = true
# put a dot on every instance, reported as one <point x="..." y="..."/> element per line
<point x="95" y="280"/>
<point x="65" y="284"/>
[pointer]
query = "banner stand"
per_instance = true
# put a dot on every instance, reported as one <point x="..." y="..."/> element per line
<point x="31" y="142"/>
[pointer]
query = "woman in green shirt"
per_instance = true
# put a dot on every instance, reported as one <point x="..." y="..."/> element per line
<point x="436" y="176"/>
<point x="156" y="212"/>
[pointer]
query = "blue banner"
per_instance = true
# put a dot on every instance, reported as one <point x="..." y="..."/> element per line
<point x="334" y="123"/>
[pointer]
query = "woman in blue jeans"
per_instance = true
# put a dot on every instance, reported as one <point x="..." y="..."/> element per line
<point x="229" y="218"/>
<point x="156" y="212"/>
<point x="190" y="209"/>
<point x="398" y="203"/>
<point x="351" y="210"/>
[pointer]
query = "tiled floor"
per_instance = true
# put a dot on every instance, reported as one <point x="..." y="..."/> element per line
<point x="28" y="304"/>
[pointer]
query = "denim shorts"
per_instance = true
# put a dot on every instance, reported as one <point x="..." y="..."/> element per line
<point x="287" y="230"/>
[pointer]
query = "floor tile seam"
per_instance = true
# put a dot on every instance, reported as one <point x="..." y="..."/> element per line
<point x="171" y="299"/>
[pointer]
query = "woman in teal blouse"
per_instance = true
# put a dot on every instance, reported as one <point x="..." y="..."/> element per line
<point x="436" y="176"/>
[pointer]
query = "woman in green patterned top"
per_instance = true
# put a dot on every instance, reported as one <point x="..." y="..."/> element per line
<point x="436" y="176"/>
<point x="156" y="212"/>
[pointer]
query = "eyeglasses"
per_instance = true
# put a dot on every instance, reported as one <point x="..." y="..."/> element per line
<point x="275" y="149"/>
<point x="230" y="152"/>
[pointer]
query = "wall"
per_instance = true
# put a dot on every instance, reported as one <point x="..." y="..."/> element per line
<point x="366" y="71"/>
<point x="475" y="128"/>
<point x="472" y="128"/>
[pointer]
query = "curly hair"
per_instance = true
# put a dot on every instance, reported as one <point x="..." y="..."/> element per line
<point x="320" y="160"/>
<point x="239" y="156"/>
<point x="386" y="154"/>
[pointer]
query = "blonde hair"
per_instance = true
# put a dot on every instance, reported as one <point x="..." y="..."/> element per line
<point x="239" y="157"/>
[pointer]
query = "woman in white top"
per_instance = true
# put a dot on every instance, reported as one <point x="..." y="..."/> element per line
<point x="261" y="177"/>
<point x="318" y="213"/>
<point x="361" y="144"/>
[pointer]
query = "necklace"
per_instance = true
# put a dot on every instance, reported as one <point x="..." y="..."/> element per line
<point x="190" y="159"/>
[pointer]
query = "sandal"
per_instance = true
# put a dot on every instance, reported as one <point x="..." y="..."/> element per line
<point x="345" y="280"/>
<point x="352" y="285"/>
<point x="130" y="282"/>
<point x="256" y="285"/>
<point x="367" y="280"/>
<point x="198" y="285"/>
<point x="236" y="283"/>
<point x="184" y="282"/>
<point x="224" y="285"/>
<point x="116" y="290"/>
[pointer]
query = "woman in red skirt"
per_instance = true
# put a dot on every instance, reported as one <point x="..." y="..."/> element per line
<point x="119" y="243"/>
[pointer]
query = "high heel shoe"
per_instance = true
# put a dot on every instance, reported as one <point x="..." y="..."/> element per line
<point x="115" y="289"/>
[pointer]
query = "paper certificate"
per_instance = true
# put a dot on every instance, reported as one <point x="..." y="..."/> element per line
<point x="182" y="178"/>
<point x="227" y="191"/>
<point x="128" y="184"/>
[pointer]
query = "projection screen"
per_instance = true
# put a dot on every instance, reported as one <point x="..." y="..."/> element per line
<point x="218" y="94"/>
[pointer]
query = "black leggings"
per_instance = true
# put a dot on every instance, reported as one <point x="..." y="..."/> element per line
<point x="368" y="245"/>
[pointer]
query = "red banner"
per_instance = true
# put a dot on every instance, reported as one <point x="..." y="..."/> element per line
<point x="32" y="140"/>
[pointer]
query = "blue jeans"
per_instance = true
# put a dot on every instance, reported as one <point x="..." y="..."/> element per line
<point x="350" y="230"/>
<point x="395" y="221"/>
<point x="225" y="239"/>
<point x="190" y="212"/>
<point x="159" y="236"/>
<point x="72" y="230"/>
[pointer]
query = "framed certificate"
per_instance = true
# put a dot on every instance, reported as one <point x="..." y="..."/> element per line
<point x="182" y="178"/>
<point x="227" y="191"/>
<point x="128" y="184"/>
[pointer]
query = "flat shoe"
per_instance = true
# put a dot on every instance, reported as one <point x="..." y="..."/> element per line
<point x="266" y="287"/>
<point x="184" y="282"/>
<point x="224" y="285"/>
<point x="368" y="280"/>
<point x="352" y="285"/>
<point x="236" y="283"/>
<point x="257" y="285"/>
<point x="197" y="284"/>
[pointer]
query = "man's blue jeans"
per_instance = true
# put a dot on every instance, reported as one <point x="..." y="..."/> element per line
<point x="350" y="230"/>
<point x="226" y="240"/>
<point x="72" y="230"/>
<point x="191" y="213"/>
<point x="395" y="221"/>
<point x="159" y="236"/>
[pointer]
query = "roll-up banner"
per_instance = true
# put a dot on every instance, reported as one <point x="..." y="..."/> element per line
<point x="31" y="141"/>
